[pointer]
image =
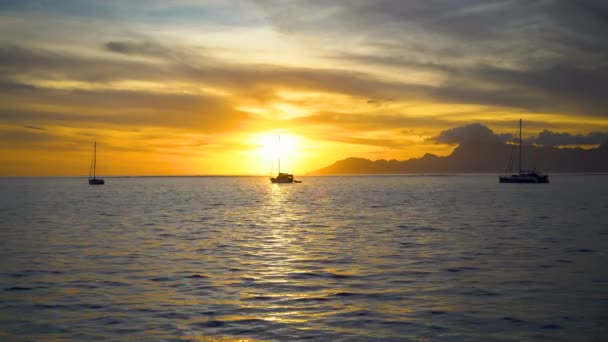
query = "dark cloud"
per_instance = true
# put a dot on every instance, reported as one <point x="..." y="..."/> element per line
<point x="379" y="101"/>
<point x="85" y="8"/>
<point x="479" y="133"/>
<point x="249" y="80"/>
<point x="562" y="87"/>
<point x="397" y="60"/>
<point x="471" y="133"/>
<point x="32" y="139"/>
<point x="35" y="127"/>
<point x="10" y="86"/>
<point x="566" y="88"/>
<point x="258" y="79"/>
<point x="550" y="138"/>
<point x="478" y="23"/>
<point x="462" y="19"/>
<point x="144" y="48"/>
<point x="19" y="137"/>
<point x="18" y="61"/>
<point x="541" y="56"/>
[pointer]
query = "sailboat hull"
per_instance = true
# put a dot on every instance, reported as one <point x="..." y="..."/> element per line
<point x="96" y="181"/>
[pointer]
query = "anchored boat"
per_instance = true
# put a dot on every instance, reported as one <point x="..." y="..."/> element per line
<point x="92" y="170"/>
<point x="283" y="177"/>
<point x="523" y="176"/>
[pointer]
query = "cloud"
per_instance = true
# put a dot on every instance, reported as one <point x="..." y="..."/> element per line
<point x="378" y="142"/>
<point x="33" y="138"/>
<point x="482" y="24"/>
<point x="123" y="110"/>
<point x="18" y="62"/>
<point x="155" y="70"/>
<point x="479" y="133"/>
<point x="564" y="87"/>
<point x="35" y="127"/>
<point x="9" y="86"/>
<point x="137" y="48"/>
<point x="365" y="122"/>
<point x="550" y="138"/>
<point x="471" y="133"/>
<point x="542" y="56"/>
<point x="85" y="8"/>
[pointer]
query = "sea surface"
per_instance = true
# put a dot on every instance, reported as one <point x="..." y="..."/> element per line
<point x="354" y="258"/>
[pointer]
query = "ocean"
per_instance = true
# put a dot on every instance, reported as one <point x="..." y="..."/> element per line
<point x="349" y="258"/>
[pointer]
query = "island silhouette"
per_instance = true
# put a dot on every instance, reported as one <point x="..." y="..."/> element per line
<point x="480" y="157"/>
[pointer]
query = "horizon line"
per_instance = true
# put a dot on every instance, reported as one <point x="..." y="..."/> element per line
<point x="413" y="174"/>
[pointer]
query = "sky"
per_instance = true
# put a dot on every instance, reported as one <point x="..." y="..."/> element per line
<point x="190" y="87"/>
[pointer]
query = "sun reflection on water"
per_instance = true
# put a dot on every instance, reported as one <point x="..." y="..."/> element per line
<point x="333" y="258"/>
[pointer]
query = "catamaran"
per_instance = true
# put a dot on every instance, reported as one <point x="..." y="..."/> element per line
<point x="92" y="170"/>
<point x="283" y="177"/>
<point x="523" y="176"/>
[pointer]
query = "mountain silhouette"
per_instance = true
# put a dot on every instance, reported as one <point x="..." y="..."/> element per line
<point x="486" y="157"/>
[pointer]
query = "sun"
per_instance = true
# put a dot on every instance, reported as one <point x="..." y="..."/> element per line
<point x="273" y="146"/>
<point x="270" y="147"/>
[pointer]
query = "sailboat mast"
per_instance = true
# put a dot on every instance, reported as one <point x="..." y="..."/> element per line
<point x="279" y="154"/>
<point x="94" y="158"/>
<point x="520" y="150"/>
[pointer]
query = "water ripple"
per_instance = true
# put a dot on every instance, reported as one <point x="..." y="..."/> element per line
<point x="334" y="258"/>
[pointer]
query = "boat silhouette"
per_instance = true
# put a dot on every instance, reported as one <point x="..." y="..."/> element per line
<point x="282" y="177"/>
<point x="92" y="170"/>
<point x="533" y="176"/>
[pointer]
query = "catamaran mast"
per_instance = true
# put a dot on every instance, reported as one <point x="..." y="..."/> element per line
<point x="279" y="156"/>
<point x="520" y="146"/>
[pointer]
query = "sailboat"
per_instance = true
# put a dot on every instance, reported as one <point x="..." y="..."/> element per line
<point x="281" y="176"/>
<point x="533" y="176"/>
<point x="92" y="170"/>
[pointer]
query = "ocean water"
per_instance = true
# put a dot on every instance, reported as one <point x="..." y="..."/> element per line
<point x="369" y="258"/>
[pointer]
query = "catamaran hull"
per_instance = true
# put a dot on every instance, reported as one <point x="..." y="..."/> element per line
<point x="283" y="178"/>
<point x="96" y="181"/>
<point x="523" y="179"/>
<point x="530" y="177"/>
<point x="281" y="181"/>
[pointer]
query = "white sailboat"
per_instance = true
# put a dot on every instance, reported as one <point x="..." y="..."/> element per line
<point x="523" y="176"/>
<point x="92" y="170"/>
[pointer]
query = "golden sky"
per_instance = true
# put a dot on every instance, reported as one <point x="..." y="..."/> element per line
<point x="207" y="87"/>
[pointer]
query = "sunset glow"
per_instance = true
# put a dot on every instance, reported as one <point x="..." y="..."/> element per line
<point x="205" y="87"/>
<point x="273" y="147"/>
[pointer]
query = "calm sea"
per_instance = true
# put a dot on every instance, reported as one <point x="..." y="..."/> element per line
<point x="334" y="258"/>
